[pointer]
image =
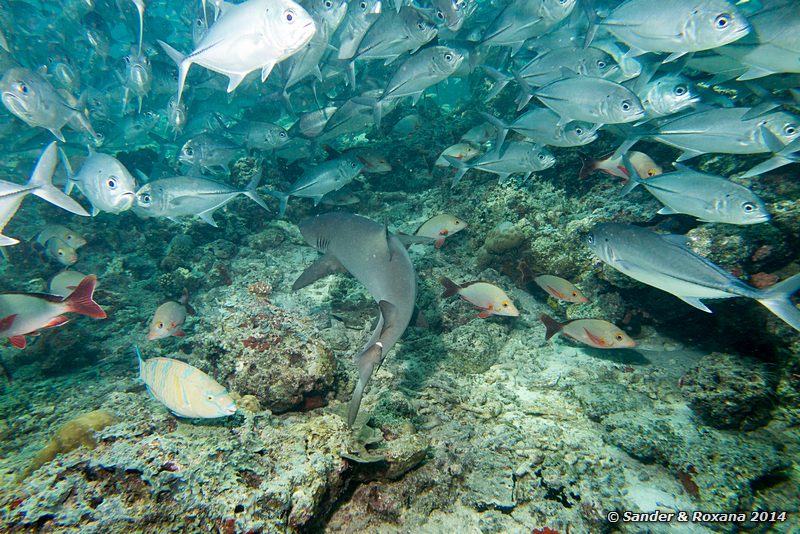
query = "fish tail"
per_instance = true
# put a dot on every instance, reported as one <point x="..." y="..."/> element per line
<point x="777" y="300"/>
<point x="525" y="91"/>
<point x="501" y="80"/>
<point x="368" y="361"/>
<point x="461" y="166"/>
<point x="141" y="361"/>
<point x="552" y="326"/>
<point x="450" y="287"/>
<point x="250" y="191"/>
<point x="588" y="166"/>
<point x="81" y="301"/>
<point x="633" y="177"/>
<point x="501" y="127"/>
<point x="42" y="179"/>
<point x="179" y="60"/>
<point x="283" y="199"/>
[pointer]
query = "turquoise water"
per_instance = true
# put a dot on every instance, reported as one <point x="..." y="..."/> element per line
<point x="197" y="228"/>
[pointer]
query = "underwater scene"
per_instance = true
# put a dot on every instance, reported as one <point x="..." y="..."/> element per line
<point x="411" y="266"/>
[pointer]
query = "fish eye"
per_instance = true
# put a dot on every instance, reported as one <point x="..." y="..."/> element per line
<point x="651" y="172"/>
<point x="626" y="105"/>
<point x="681" y="90"/>
<point x="282" y="134"/>
<point x="601" y="64"/>
<point x="127" y="59"/>
<point x="590" y="239"/>
<point x="420" y="25"/>
<point x="541" y="157"/>
<point x="579" y="131"/>
<point x="363" y="5"/>
<point x="575" y="294"/>
<point x="440" y="14"/>
<point x="722" y="21"/>
<point x="448" y="57"/>
<point x="288" y="16"/>
<point x="210" y="397"/>
<point x="749" y="207"/>
<point x="505" y="304"/>
<point x="199" y="23"/>
<point x="790" y="129"/>
<point x="189" y="151"/>
<point x="145" y="199"/>
<point x="22" y="87"/>
<point x="160" y="325"/>
<point x="60" y="252"/>
<point x="112" y="182"/>
<point x="619" y="337"/>
<point x="328" y="4"/>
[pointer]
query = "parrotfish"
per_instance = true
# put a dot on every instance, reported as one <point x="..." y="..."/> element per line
<point x="439" y="227"/>
<point x="169" y="318"/>
<point x="185" y="390"/>
<point x="560" y="289"/>
<point x="23" y="314"/>
<point x="488" y="297"/>
<point x="596" y="333"/>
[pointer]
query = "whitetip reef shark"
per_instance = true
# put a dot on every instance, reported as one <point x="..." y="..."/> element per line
<point x="377" y="259"/>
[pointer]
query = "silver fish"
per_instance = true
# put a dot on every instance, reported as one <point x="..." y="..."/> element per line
<point x="394" y="34"/>
<point x="525" y="19"/>
<point x="708" y="197"/>
<point x="256" y="34"/>
<point x="104" y="181"/>
<point x="186" y="196"/>
<point x="666" y="95"/>
<point x="361" y="15"/>
<point x="515" y="157"/>
<point x="546" y="67"/>
<point x="590" y="99"/>
<point x="667" y="263"/>
<point x="320" y="180"/>
<point x="258" y="135"/>
<point x="675" y="26"/>
<point x="208" y="151"/>
<point x="541" y="126"/>
<point x="138" y="78"/>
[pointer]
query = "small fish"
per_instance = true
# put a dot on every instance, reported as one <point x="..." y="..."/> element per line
<point x="591" y="99"/>
<point x="138" y="78"/>
<point x="57" y="250"/>
<point x="459" y="151"/>
<point x="543" y="126"/>
<point x="374" y="163"/>
<point x="256" y="34"/>
<point x="514" y="157"/>
<point x="489" y="298"/>
<point x="479" y="135"/>
<point x="361" y="15"/>
<point x="188" y="196"/>
<point x="208" y="151"/>
<point x="560" y="289"/>
<point x="169" y="318"/>
<point x="41" y="185"/>
<point x="440" y="227"/>
<point x="104" y="181"/>
<point x="186" y="391"/>
<point x="593" y="332"/>
<point x="68" y="236"/>
<point x="65" y="282"/>
<point x="23" y="314"/>
<point x="644" y="165"/>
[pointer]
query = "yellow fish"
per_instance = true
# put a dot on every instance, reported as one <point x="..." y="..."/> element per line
<point x="559" y="288"/>
<point x="489" y="298"/>
<point x="440" y="227"/>
<point x="185" y="390"/>
<point x="593" y="332"/>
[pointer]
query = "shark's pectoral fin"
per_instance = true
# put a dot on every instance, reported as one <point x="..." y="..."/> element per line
<point x="322" y="267"/>
<point x="389" y="314"/>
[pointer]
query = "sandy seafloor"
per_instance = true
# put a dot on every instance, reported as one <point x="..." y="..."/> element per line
<point x="472" y="425"/>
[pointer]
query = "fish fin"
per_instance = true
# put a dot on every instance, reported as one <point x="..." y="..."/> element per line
<point x="776" y="299"/>
<point x="7" y="321"/>
<point x="501" y="80"/>
<point x="182" y="63"/>
<point x="503" y="177"/>
<point x="462" y="167"/>
<point x="208" y="217"/>
<point x="552" y="327"/>
<point x="525" y="91"/>
<point x="677" y="239"/>
<point x="80" y="301"/>
<point x="666" y="210"/>
<point x="323" y="266"/>
<point x="673" y="56"/>
<point x="234" y="79"/>
<point x="56" y="321"/>
<point x="6" y="241"/>
<point x="633" y="176"/>
<point x="317" y="199"/>
<point x="366" y="361"/>
<point x="95" y="210"/>
<point x="140" y="361"/>
<point x="42" y="178"/>
<point x="408" y="240"/>
<point x="450" y="287"/>
<point x="265" y="71"/>
<point x="179" y="333"/>
<point x="696" y="302"/>
<point x="484" y="314"/>
<point x="419" y="320"/>
<point x="250" y="192"/>
<point x="283" y="200"/>
<point x="689" y="154"/>
<point x="439" y="243"/>
<point x="766" y="166"/>
<point x="57" y="132"/>
<point x="501" y="127"/>
<point x="753" y="73"/>
<point x="18" y="341"/>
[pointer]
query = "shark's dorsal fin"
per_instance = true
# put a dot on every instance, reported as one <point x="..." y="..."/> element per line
<point x="322" y="267"/>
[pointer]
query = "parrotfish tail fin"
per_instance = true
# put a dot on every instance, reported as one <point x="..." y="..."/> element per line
<point x="501" y="127"/>
<point x="183" y="66"/>
<point x="633" y="177"/>
<point x="450" y="287"/>
<point x="525" y="91"/>
<point x="501" y="80"/>
<point x="462" y="169"/>
<point x="250" y="191"/>
<point x="42" y="178"/>
<point x="777" y="299"/>
<point x="81" y="301"/>
<point x="366" y="364"/>
<point x="552" y="326"/>
<point x="141" y="361"/>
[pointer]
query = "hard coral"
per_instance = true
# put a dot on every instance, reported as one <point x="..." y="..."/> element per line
<point x="72" y="434"/>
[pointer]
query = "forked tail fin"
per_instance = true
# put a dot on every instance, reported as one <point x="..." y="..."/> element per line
<point x="777" y="299"/>
<point x="80" y="301"/>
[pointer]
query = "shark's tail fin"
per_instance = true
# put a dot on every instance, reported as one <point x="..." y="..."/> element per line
<point x="42" y="179"/>
<point x="777" y="300"/>
<point x="367" y="363"/>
